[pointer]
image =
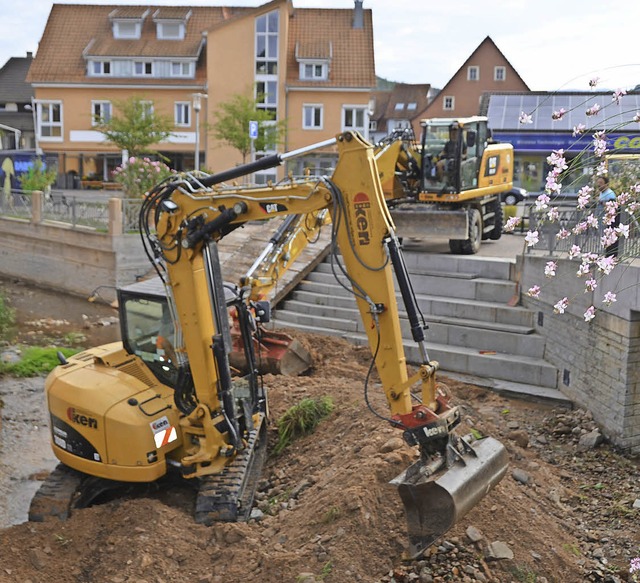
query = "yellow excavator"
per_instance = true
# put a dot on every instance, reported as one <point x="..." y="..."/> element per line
<point x="447" y="184"/>
<point x="166" y="402"/>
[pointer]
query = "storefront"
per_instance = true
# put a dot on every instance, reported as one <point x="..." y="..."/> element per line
<point x="554" y="118"/>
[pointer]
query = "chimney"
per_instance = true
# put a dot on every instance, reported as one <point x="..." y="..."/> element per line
<point x="29" y="55"/>
<point x="358" y="18"/>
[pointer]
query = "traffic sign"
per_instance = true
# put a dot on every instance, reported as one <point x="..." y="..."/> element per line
<point x="253" y="130"/>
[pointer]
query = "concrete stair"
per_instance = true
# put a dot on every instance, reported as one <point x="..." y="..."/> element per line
<point x="465" y="300"/>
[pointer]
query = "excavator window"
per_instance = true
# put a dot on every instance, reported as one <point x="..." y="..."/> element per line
<point x="148" y="332"/>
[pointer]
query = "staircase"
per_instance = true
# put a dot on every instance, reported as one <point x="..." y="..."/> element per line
<point x="464" y="299"/>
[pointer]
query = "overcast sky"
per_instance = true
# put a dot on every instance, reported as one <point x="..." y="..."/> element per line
<point x="553" y="44"/>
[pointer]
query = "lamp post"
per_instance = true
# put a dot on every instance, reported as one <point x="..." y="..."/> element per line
<point x="197" y="106"/>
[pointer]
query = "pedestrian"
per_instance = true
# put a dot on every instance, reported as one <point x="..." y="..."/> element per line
<point x="605" y="195"/>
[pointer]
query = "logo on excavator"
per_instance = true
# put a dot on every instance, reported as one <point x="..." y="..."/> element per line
<point x="273" y="207"/>
<point x="80" y="419"/>
<point x="361" y="205"/>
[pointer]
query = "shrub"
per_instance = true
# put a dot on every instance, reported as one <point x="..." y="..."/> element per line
<point x="301" y="419"/>
<point x="139" y="175"/>
<point x="7" y="318"/>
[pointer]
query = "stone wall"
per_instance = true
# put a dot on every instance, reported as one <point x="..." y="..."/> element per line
<point x="598" y="361"/>
<point x="75" y="261"/>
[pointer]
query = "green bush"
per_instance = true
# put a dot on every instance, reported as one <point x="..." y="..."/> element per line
<point x="7" y="318"/>
<point x="301" y="419"/>
<point x="35" y="361"/>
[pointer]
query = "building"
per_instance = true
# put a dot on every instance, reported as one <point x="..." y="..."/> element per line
<point x="16" y="114"/>
<point x="486" y="70"/>
<point x="553" y="124"/>
<point x="313" y="68"/>
<point x="398" y="108"/>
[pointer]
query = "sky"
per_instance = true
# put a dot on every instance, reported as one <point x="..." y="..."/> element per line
<point x="554" y="45"/>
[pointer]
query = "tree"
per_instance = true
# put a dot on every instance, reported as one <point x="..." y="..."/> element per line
<point x="232" y="125"/>
<point x="136" y="128"/>
<point x="37" y="177"/>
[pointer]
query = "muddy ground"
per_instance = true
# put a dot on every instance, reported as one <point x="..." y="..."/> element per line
<point x="567" y="511"/>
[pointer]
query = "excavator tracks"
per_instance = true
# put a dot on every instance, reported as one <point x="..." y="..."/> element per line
<point x="228" y="496"/>
<point x="56" y="495"/>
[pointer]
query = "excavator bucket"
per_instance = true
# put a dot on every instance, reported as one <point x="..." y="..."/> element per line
<point x="434" y="504"/>
<point x="276" y="353"/>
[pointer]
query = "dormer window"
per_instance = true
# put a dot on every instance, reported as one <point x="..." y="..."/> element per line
<point x="127" y="22"/>
<point x="171" y="22"/>
<point x="142" y="68"/>
<point x="314" y="71"/>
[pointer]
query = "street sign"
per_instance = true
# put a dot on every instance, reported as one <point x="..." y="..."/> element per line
<point x="253" y="130"/>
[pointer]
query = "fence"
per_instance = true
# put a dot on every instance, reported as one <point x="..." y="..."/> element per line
<point x="56" y="206"/>
<point x="589" y="241"/>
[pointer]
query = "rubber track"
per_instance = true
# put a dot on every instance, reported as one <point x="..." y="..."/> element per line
<point x="228" y="496"/>
<point x="56" y="495"/>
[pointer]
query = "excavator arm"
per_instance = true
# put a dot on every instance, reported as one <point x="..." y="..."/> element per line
<point x="183" y="219"/>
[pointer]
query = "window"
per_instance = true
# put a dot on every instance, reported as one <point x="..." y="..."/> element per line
<point x="267" y="95"/>
<point x="142" y="68"/>
<point x="411" y="106"/>
<point x="448" y="102"/>
<point x="180" y="69"/>
<point x="373" y="125"/>
<point x="355" y="118"/>
<point x="399" y="106"/>
<point x="183" y="113"/>
<point x="267" y="27"/>
<point x="126" y="29"/>
<point x="313" y="71"/>
<point x="473" y="73"/>
<point x="170" y="30"/>
<point x="100" y="112"/>
<point x="147" y="108"/>
<point x="499" y="73"/>
<point x="50" y="120"/>
<point x="312" y="117"/>
<point x="99" y="68"/>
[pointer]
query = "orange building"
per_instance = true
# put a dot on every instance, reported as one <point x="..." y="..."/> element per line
<point x="311" y="68"/>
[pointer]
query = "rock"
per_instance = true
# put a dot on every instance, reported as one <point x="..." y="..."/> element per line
<point x="590" y="440"/>
<point x="520" y="437"/>
<point x="38" y="559"/>
<point x="636" y="504"/>
<point x="256" y="514"/>
<point x="498" y="551"/>
<point x="392" y="444"/>
<point x="475" y="534"/>
<point x="519" y="475"/>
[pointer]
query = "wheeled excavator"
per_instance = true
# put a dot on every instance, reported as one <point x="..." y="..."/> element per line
<point x="448" y="183"/>
<point x="165" y="403"/>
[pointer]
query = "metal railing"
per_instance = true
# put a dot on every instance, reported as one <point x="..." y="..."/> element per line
<point x="60" y="207"/>
<point x="589" y="241"/>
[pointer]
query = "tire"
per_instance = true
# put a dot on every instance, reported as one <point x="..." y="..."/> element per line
<point x="498" y="223"/>
<point x="510" y="200"/>
<point x="471" y="245"/>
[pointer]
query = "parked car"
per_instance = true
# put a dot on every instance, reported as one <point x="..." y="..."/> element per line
<point x="514" y="196"/>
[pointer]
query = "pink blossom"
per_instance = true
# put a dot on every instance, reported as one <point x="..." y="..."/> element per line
<point x="579" y="129"/>
<point x="132" y="160"/>
<point x="593" y="82"/>
<point x="542" y="202"/>
<point x="592" y="221"/>
<point x="512" y="223"/>
<point x="553" y="214"/>
<point x="623" y="230"/>
<point x="580" y="228"/>
<point x="609" y="237"/>
<point x="617" y="94"/>
<point x="590" y="285"/>
<point x="599" y="144"/>
<point x="609" y="298"/>
<point x="563" y="234"/>
<point x="584" y="269"/>
<point x="534" y="291"/>
<point x="561" y="306"/>
<point x="636" y="117"/>
<point x="557" y="159"/>
<point x="590" y="314"/>
<point x="574" y="251"/>
<point x="606" y="264"/>
<point x="525" y="118"/>
<point x="550" y="269"/>
<point x="593" y="110"/>
<point x="531" y="238"/>
<point x="558" y="114"/>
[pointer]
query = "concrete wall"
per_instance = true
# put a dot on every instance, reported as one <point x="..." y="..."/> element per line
<point x="599" y="361"/>
<point x="70" y="260"/>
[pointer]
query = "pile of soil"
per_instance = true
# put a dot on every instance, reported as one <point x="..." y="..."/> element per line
<point x="567" y="510"/>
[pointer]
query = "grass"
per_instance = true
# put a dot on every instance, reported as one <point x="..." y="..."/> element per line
<point x="301" y="419"/>
<point x="35" y="361"/>
<point x="7" y="317"/>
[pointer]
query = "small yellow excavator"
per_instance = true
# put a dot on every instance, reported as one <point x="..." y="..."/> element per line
<point x="166" y="402"/>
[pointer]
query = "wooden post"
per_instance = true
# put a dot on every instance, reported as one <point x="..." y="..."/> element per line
<point x="115" y="217"/>
<point x="37" y="198"/>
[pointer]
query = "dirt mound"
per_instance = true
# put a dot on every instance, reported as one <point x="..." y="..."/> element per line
<point x="325" y="511"/>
